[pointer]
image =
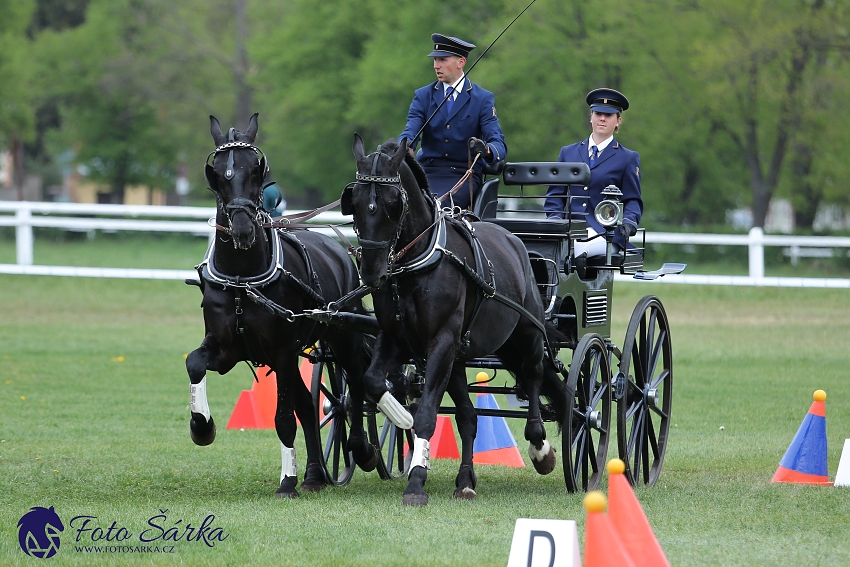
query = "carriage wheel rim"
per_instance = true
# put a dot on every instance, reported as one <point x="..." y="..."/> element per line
<point x="643" y="413"/>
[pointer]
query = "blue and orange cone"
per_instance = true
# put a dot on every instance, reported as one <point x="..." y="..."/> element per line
<point x="805" y="460"/>
<point x="494" y="443"/>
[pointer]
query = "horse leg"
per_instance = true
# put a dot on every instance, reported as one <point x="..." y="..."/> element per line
<point x="201" y="424"/>
<point x="284" y="422"/>
<point x="302" y="400"/>
<point x="541" y="452"/>
<point x="467" y="426"/>
<point x="441" y="355"/>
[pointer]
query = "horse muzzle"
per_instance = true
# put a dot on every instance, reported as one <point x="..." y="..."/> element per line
<point x="243" y="227"/>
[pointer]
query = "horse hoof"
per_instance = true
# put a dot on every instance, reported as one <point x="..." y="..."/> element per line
<point x="205" y="438"/>
<point x="312" y="486"/>
<point x="465" y="493"/>
<point x="415" y="499"/>
<point x="546" y="464"/>
<point x="371" y="463"/>
<point x="279" y="493"/>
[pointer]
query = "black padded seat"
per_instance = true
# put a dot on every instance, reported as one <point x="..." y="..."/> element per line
<point x="543" y="227"/>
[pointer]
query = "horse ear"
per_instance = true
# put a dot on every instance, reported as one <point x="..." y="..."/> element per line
<point x="215" y="130"/>
<point x="399" y="154"/>
<point x="357" y="147"/>
<point x="251" y="134"/>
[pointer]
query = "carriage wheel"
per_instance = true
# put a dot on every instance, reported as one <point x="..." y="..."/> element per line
<point x="394" y="444"/>
<point x="588" y="424"/>
<point x="646" y="383"/>
<point x="330" y="400"/>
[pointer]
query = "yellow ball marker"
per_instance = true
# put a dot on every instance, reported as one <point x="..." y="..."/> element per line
<point x="595" y="501"/>
<point x="616" y="466"/>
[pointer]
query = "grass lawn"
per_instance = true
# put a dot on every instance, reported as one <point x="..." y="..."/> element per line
<point x="94" y="421"/>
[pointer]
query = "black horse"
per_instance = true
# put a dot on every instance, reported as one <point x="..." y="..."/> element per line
<point x="255" y="282"/>
<point x="447" y="302"/>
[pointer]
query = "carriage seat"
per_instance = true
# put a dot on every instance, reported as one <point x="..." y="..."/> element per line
<point x="535" y="227"/>
<point x="487" y="199"/>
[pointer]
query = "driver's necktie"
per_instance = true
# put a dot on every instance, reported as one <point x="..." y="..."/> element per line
<point x="593" y="154"/>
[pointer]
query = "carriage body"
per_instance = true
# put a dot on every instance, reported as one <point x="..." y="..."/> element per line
<point x="630" y="387"/>
<point x="577" y="295"/>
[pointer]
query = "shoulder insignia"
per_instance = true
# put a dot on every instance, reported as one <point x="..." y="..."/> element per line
<point x="637" y="171"/>
<point x="494" y="111"/>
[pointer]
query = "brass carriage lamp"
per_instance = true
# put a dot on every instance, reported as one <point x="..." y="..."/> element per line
<point x="609" y="213"/>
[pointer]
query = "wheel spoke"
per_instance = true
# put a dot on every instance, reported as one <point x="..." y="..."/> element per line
<point x="329" y="417"/>
<point x="329" y="442"/>
<point x="653" y="439"/>
<point x="637" y="366"/>
<point x="329" y="394"/>
<point x="656" y="355"/>
<point x="659" y="412"/>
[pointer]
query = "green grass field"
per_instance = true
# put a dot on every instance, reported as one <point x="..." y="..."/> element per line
<point x="94" y="421"/>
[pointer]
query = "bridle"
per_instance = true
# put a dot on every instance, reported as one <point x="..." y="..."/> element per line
<point x="375" y="195"/>
<point x="252" y="208"/>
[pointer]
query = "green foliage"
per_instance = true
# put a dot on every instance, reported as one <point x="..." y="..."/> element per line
<point x="16" y="116"/>
<point x="732" y="102"/>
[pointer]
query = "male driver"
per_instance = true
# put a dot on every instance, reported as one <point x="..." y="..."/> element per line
<point x="468" y="113"/>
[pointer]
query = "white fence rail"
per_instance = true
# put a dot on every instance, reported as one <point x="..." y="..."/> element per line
<point x="24" y="216"/>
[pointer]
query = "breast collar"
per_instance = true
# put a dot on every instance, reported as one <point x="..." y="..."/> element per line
<point x="432" y="255"/>
<point x="208" y="272"/>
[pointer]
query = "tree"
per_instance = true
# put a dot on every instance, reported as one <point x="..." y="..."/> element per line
<point x="16" y="116"/>
<point x="752" y="61"/>
<point x="133" y="85"/>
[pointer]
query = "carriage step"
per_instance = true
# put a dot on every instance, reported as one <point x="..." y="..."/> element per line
<point x="666" y="269"/>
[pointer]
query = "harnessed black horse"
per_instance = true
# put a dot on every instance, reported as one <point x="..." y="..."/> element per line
<point x="446" y="291"/>
<point x="255" y="282"/>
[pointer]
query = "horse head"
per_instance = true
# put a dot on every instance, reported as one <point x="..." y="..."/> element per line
<point x="235" y="172"/>
<point x="379" y="202"/>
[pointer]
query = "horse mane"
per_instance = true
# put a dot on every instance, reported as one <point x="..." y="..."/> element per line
<point x="390" y="146"/>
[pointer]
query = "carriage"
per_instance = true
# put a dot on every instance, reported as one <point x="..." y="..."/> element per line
<point x="635" y="380"/>
<point x="559" y="301"/>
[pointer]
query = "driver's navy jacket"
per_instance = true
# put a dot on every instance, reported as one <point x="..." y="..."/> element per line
<point x="444" y="140"/>
<point x="616" y="165"/>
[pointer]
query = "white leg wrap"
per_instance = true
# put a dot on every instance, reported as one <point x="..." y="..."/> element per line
<point x="421" y="454"/>
<point x="539" y="455"/>
<point x="288" y="466"/>
<point x="395" y="412"/>
<point x="198" y="398"/>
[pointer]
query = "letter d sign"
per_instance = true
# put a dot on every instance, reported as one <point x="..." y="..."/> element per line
<point x="544" y="543"/>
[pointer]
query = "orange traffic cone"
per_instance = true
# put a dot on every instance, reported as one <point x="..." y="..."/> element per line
<point x="246" y="413"/>
<point x="602" y="545"/>
<point x="443" y="442"/>
<point x="805" y="460"/>
<point x="628" y="518"/>
<point x="255" y="408"/>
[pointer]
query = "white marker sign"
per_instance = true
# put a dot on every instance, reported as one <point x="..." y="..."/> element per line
<point x="544" y="543"/>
